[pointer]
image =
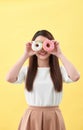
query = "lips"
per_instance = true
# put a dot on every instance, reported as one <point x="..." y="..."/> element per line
<point x="43" y="53"/>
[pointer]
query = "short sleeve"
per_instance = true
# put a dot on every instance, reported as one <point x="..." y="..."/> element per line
<point x="22" y="75"/>
<point x="65" y="76"/>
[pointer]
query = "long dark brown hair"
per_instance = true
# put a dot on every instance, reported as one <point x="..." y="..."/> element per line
<point x="53" y="63"/>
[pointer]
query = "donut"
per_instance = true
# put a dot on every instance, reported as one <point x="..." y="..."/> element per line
<point x="48" y="45"/>
<point x="36" y="45"/>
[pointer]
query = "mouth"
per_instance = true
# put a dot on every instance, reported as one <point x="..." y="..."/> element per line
<point x="42" y="53"/>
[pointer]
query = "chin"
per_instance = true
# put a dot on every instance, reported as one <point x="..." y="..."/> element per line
<point x="43" y="57"/>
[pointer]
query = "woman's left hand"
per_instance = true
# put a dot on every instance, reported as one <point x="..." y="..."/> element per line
<point x="56" y="51"/>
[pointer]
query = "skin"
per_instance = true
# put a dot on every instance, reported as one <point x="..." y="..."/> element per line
<point x="43" y="61"/>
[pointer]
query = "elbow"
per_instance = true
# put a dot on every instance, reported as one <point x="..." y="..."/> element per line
<point x="10" y="79"/>
<point x="76" y="78"/>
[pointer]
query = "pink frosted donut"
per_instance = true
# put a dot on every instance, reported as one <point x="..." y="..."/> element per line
<point x="48" y="45"/>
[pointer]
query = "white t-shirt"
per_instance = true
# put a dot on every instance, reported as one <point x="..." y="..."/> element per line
<point x="43" y="93"/>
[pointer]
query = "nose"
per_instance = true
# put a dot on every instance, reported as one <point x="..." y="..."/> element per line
<point x="42" y="50"/>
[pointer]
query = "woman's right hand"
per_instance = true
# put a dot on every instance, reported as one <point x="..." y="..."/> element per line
<point x="28" y="50"/>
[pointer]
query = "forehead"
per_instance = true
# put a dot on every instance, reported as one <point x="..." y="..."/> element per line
<point x="41" y="38"/>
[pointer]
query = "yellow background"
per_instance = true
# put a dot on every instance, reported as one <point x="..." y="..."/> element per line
<point x="19" y="20"/>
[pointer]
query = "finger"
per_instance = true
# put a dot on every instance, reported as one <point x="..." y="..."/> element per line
<point x="53" y="41"/>
<point x="56" y="43"/>
<point x="34" y="53"/>
<point x="28" y="43"/>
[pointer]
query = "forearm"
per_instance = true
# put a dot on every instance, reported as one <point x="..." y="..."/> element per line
<point x="13" y="73"/>
<point x="71" y="70"/>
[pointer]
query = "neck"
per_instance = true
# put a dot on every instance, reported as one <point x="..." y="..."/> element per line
<point x="43" y="63"/>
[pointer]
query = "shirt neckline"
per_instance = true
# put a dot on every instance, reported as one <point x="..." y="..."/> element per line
<point x="43" y="68"/>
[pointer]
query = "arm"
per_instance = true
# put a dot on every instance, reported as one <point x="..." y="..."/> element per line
<point x="71" y="70"/>
<point x="14" y="71"/>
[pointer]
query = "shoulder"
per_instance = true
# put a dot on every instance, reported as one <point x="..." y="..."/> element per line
<point x="65" y="76"/>
<point x="24" y="69"/>
<point x="62" y="69"/>
<point x="22" y="74"/>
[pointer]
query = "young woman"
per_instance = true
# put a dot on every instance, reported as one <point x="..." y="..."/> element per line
<point x="43" y="79"/>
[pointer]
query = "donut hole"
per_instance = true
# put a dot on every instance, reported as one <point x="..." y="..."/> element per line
<point x="37" y="45"/>
<point x="48" y="45"/>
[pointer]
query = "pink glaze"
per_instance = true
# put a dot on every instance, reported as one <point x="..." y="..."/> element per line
<point x="48" y="45"/>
